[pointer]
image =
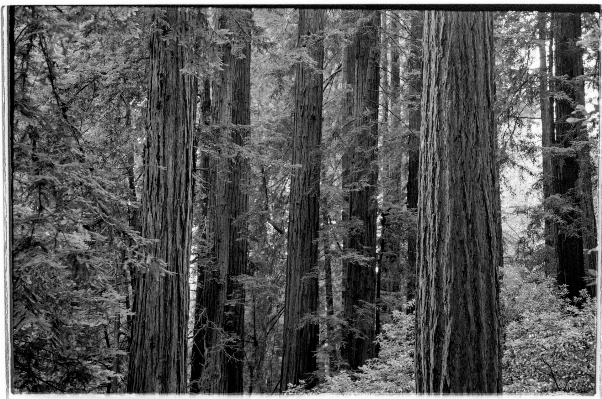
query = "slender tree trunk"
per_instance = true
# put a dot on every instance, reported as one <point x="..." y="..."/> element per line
<point x="359" y="178"/>
<point x="390" y="265"/>
<point x="134" y="223"/>
<point x="300" y="336"/>
<point x="547" y="118"/>
<point x="114" y="385"/>
<point x="391" y="161"/>
<point x="384" y="70"/>
<point x="414" y="94"/>
<point x="329" y="294"/>
<point x="458" y="334"/>
<point x="159" y="337"/>
<point x="223" y="296"/>
<point x="200" y="328"/>
<point x="571" y="174"/>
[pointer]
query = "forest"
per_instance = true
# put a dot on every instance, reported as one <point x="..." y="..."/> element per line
<point x="271" y="200"/>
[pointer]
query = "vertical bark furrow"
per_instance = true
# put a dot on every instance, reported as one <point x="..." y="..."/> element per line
<point x="223" y="295"/>
<point x="159" y="336"/>
<point x="300" y="336"/>
<point x="571" y="160"/>
<point x="458" y="347"/>
<point x="359" y="179"/>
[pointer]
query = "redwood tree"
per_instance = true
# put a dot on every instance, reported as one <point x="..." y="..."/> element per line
<point x="221" y="304"/>
<point x="391" y="176"/>
<point x="575" y="229"/>
<point x="360" y="174"/>
<point x="160" y="324"/>
<point x="414" y="91"/>
<point x="300" y="335"/>
<point x="458" y="334"/>
<point x="547" y="116"/>
<point x="201" y="326"/>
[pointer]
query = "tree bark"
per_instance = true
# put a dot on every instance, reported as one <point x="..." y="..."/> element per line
<point x="328" y="292"/>
<point x="390" y="181"/>
<point x="414" y="92"/>
<point x="458" y="345"/>
<point x="223" y="296"/>
<point x="200" y="329"/>
<point x="571" y="173"/>
<point x="160" y="325"/>
<point x="300" y="336"/>
<point x="547" y="117"/>
<point x="360" y="175"/>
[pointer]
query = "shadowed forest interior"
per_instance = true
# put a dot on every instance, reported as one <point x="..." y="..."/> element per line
<point x="313" y="200"/>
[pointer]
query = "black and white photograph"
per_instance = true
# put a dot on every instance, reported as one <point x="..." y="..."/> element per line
<point x="313" y="198"/>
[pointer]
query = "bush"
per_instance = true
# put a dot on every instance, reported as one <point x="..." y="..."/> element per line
<point x="549" y="339"/>
<point x="391" y="372"/>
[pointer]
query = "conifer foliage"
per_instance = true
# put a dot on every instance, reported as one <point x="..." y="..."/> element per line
<point x="241" y="200"/>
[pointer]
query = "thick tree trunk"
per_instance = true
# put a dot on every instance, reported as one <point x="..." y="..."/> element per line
<point x="414" y="92"/>
<point x="159" y="337"/>
<point x="300" y="336"/>
<point x="458" y="345"/>
<point x="223" y="296"/>
<point x="239" y="202"/>
<point x="571" y="173"/>
<point x="359" y="178"/>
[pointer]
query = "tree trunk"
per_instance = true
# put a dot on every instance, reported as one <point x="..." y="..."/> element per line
<point x="547" y="117"/>
<point x="328" y="292"/>
<point x="414" y="94"/>
<point x="458" y="345"/>
<point x="200" y="329"/>
<point x="391" y="161"/>
<point x="134" y="222"/>
<point x="571" y="173"/>
<point x="360" y="175"/>
<point x="223" y="296"/>
<point x="300" y="336"/>
<point x="160" y="325"/>
<point x="114" y="385"/>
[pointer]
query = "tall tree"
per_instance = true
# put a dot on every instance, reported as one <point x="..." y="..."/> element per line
<point x="571" y="173"/>
<point x="391" y="164"/>
<point x="222" y="299"/>
<point x="160" y="325"/>
<point x="547" y="114"/>
<point x="414" y="93"/>
<point x="458" y="335"/>
<point x="200" y="328"/>
<point x="300" y="334"/>
<point x="360" y="174"/>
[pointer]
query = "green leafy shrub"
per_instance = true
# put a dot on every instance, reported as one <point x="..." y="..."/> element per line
<point x="391" y="372"/>
<point x="549" y="339"/>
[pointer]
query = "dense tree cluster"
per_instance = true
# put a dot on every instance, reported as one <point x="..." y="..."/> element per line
<point x="257" y="200"/>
